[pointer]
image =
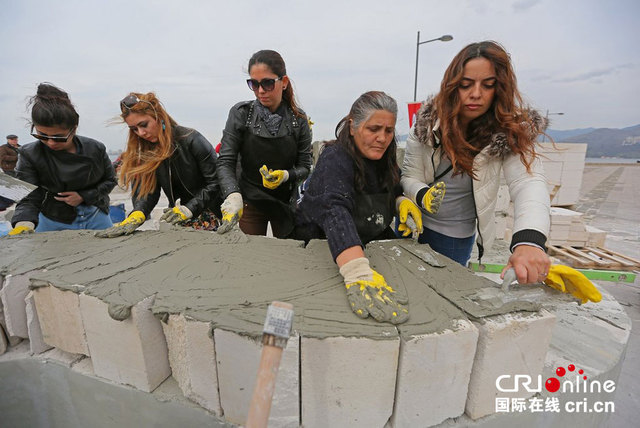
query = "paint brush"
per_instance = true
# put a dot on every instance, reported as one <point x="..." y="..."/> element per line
<point x="275" y="334"/>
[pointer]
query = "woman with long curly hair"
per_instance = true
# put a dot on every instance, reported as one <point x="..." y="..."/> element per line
<point x="270" y="138"/>
<point x="73" y="173"/>
<point x="474" y="128"/>
<point x="352" y="197"/>
<point x="161" y="154"/>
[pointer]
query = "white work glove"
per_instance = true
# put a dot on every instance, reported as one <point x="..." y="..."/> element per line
<point x="177" y="214"/>
<point x="231" y="211"/>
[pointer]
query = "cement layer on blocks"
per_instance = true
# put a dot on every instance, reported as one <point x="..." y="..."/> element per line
<point x="60" y="319"/>
<point x="433" y="376"/>
<point x="238" y="359"/>
<point x="13" y="293"/>
<point x="192" y="358"/>
<point x="131" y="352"/>
<point x="348" y="382"/>
<point x="37" y="344"/>
<point x="512" y="344"/>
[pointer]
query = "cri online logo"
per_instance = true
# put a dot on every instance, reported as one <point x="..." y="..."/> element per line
<point x="552" y="384"/>
<point x="509" y="383"/>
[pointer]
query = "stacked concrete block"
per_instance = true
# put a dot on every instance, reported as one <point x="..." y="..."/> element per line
<point x="348" y="381"/>
<point x="502" y="211"/>
<point x="37" y="344"/>
<point x="13" y="293"/>
<point x="238" y="358"/>
<point x="433" y="376"/>
<point x="60" y="320"/>
<point x="192" y="358"/>
<point x="567" y="228"/>
<point x="595" y="237"/>
<point x="133" y="351"/>
<point x="512" y="344"/>
<point x="564" y="165"/>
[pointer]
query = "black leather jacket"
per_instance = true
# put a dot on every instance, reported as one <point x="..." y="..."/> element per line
<point x="244" y="124"/>
<point x="88" y="172"/>
<point x="189" y="175"/>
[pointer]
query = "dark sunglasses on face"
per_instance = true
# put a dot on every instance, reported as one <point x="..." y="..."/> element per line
<point x="267" y="84"/>
<point x="131" y="100"/>
<point x="55" y="138"/>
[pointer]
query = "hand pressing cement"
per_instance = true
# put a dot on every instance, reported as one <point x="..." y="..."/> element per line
<point x="369" y="294"/>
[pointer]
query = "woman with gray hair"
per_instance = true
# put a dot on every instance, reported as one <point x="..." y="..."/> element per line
<point x="352" y="197"/>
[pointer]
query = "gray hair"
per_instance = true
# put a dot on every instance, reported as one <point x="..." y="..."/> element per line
<point x="368" y="103"/>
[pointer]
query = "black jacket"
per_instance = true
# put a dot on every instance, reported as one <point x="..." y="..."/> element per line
<point x="88" y="172"/>
<point x="243" y="122"/>
<point x="189" y="174"/>
<point x="334" y="208"/>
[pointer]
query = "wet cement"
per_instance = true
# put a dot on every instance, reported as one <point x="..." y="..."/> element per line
<point x="229" y="280"/>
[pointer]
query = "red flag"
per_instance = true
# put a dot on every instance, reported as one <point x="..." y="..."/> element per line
<point x="413" y="111"/>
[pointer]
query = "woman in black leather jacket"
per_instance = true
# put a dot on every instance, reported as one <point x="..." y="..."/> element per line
<point x="272" y="138"/>
<point x="73" y="173"/>
<point x="161" y="154"/>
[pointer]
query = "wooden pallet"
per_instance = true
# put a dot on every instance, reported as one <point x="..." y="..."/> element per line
<point x="594" y="257"/>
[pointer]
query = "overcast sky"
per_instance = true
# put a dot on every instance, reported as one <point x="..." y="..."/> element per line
<point x="579" y="57"/>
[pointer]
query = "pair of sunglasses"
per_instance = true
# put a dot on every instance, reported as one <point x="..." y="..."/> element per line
<point x="55" y="138"/>
<point x="267" y="84"/>
<point x="130" y="101"/>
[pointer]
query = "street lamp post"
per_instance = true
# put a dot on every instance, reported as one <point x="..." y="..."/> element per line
<point x="444" y="38"/>
<point x="544" y="137"/>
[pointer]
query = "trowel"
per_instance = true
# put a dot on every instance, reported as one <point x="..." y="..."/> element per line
<point x="14" y="189"/>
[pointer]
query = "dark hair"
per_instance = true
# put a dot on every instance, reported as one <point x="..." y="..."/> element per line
<point x="274" y="61"/>
<point x="507" y="113"/>
<point x="361" y="110"/>
<point x="51" y="106"/>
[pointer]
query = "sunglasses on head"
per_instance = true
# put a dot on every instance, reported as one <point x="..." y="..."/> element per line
<point x="130" y="101"/>
<point x="267" y="84"/>
<point x="55" y="138"/>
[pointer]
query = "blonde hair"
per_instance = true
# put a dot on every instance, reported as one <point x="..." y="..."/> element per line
<point x="141" y="157"/>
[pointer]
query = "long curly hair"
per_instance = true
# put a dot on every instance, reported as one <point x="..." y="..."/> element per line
<point x="361" y="110"/>
<point x="141" y="157"/>
<point x="507" y="114"/>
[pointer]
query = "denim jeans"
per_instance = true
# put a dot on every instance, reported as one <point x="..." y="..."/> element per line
<point x="457" y="249"/>
<point x="89" y="217"/>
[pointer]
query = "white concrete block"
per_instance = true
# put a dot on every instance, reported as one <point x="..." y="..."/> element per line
<point x="508" y="345"/>
<point x="131" y="352"/>
<point x="192" y="358"/>
<point x="36" y="341"/>
<point x="433" y="376"/>
<point x="238" y="359"/>
<point x="348" y="381"/>
<point x="60" y="319"/>
<point x="13" y="292"/>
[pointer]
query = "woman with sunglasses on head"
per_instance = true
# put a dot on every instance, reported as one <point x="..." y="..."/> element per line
<point x="161" y="154"/>
<point x="476" y="127"/>
<point x="73" y="173"/>
<point x="351" y="199"/>
<point x="272" y="138"/>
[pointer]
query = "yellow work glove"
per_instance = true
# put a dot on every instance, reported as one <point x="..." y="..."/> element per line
<point x="569" y="280"/>
<point x="273" y="178"/>
<point x="22" y="228"/>
<point x="177" y="214"/>
<point x="409" y="216"/>
<point x="369" y="294"/>
<point x="231" y="212"/>
<point x="125" y="227"/>
<point x="432" y="200"/>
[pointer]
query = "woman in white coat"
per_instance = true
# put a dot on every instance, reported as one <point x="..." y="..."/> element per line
<point x="464" y="136"/>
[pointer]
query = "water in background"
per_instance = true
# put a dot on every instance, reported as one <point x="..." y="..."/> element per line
<point x="611" y="160"/>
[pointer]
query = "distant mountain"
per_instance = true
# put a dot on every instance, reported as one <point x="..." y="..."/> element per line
<point x="603" y="142"/>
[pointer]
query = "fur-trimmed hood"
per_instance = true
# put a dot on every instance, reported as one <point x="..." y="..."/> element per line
<point x="427" y="123"/>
